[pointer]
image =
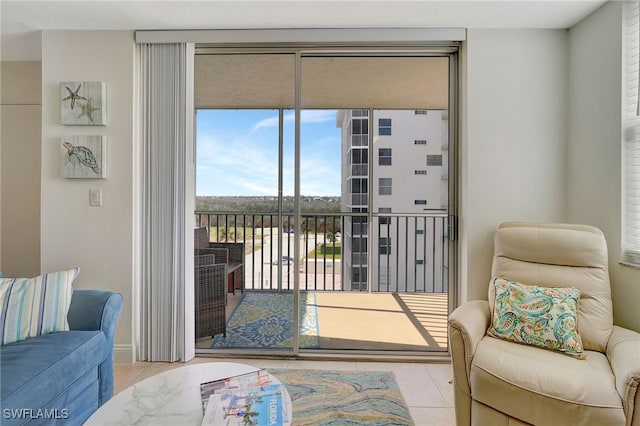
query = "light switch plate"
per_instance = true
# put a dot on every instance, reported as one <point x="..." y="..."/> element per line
<point x="95" y="197"/>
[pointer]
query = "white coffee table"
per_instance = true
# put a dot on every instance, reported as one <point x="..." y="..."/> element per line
<point x="169" y="398"/>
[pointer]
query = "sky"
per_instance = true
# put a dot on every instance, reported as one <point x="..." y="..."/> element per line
<point x="237" y="153"/>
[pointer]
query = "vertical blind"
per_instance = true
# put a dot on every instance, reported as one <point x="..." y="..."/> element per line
<point x="164" y="94"/>
<point x="631" y="148"/>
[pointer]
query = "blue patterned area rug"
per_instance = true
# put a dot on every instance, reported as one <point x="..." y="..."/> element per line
<point x="321" y="397"/>
<point x="264" y="320"/>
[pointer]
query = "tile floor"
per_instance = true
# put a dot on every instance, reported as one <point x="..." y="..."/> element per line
<point x="425" y="386"/>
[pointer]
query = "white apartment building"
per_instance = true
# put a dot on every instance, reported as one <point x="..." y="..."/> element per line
<point x="403" y="180"/>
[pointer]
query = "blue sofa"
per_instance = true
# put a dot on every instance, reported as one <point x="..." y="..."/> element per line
<point x="62" y="378"/>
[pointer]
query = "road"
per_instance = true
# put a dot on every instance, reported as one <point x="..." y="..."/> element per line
<point x="261" y="268"/>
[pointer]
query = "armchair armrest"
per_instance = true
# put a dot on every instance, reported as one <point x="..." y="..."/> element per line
<point x="623" y="352"/>
<point x="95" y="310"/>
<point x="467" y="325"/>
<point x="98" y="310"/>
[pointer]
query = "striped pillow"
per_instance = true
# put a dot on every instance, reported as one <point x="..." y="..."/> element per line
<point x="32" y="307"/>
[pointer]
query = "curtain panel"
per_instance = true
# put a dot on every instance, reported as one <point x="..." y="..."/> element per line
<point x="165" y="135"/>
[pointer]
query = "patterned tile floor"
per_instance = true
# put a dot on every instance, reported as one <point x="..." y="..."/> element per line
<point x="425" y="386"/>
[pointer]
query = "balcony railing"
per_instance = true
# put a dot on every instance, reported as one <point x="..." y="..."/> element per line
<point x="338" y="251"/>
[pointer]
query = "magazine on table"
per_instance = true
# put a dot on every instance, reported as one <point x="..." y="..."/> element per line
<point x="253" y="405"/>
<point x="246" y="399"/>
<point x="254" y="378"/>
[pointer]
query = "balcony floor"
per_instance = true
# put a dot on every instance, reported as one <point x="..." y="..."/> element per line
<point x="375" y="321"/>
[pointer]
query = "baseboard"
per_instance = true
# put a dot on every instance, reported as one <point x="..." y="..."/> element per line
<point x="124" y="354"/>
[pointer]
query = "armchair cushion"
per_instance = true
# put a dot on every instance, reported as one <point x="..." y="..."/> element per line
<point x="546" y="317"/>
<point x="37" y="306"/>
<point x="543" y="387"/>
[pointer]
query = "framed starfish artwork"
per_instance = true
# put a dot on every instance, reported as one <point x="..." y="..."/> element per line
<point x="83" y="157"/>
<point x="83" y="103"/>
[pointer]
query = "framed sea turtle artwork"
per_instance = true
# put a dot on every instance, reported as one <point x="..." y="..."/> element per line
<point x="83" y="157"/>
<point x="83" y="103"/>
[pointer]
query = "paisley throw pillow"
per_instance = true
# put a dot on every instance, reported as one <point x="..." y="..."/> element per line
<point x="546" y="317"/>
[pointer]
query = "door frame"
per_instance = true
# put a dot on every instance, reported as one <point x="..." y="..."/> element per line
<point x="366" y="49"/>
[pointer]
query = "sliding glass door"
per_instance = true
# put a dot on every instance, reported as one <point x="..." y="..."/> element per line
<point x="331" y="169"/>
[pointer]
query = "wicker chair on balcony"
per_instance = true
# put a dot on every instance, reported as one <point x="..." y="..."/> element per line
<point x="231" y="253"/>
<point x="235" y="260"/>
<point x="210" y="272"/>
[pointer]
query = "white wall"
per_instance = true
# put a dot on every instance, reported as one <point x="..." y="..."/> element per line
<point x="514" y="138"/>
<point x="97" y="239"/>
<point x="513" y="154"/>
<point x="20" y="173"/>
<point x="594" y="166"/>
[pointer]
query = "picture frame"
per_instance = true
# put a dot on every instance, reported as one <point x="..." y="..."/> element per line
<point x="83" y="103"/>
<point x="83" y="157"/>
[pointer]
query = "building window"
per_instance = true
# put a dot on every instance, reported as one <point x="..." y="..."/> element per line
<point x="434" y="160"/>
<point x="359" y="245"/>
<point x="385" y="245"/>
<point x="359" y="186"/>
<point x="384" y="186"/>
<point x="359" y="223"/>
<point x="420" y="142"/>
<point x="420" y="172"/>
<point x="384" y="275"/>
<point x="420" y="202"/>
<point x="360" y="156"/>
<point x="359" y="162"/>
<point x="359" y="191"/>
<point x="359" y="130"/>
<point x="419" y="261"/>
<point x="360" y="126"/>
<point x="421" y="112"/>
<point x="359" y="275"/>
<point x="384" y="156"/>
<point x="384" y="220"/>
<point x="419" y="231"/>
<point x="384" y="127"/>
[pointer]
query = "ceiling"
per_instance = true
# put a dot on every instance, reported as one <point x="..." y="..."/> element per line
<point x="22" y="20"/>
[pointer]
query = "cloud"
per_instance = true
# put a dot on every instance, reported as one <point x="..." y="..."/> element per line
<point x="236" y="166"/>
<point x="232" y="159"/>
<point x="267" y="122"/>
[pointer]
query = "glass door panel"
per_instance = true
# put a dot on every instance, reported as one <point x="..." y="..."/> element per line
<point x="355" y="212"/>
<point x="321" y="160"/>
<point x="240" y="156"/>
<point x="392" y="116"/>
<point x="243" y="188"/>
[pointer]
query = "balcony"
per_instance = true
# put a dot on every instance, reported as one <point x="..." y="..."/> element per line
<point x="388" y="270"/>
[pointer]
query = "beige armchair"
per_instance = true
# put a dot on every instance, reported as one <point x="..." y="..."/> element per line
<point x="498" y="382"/>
